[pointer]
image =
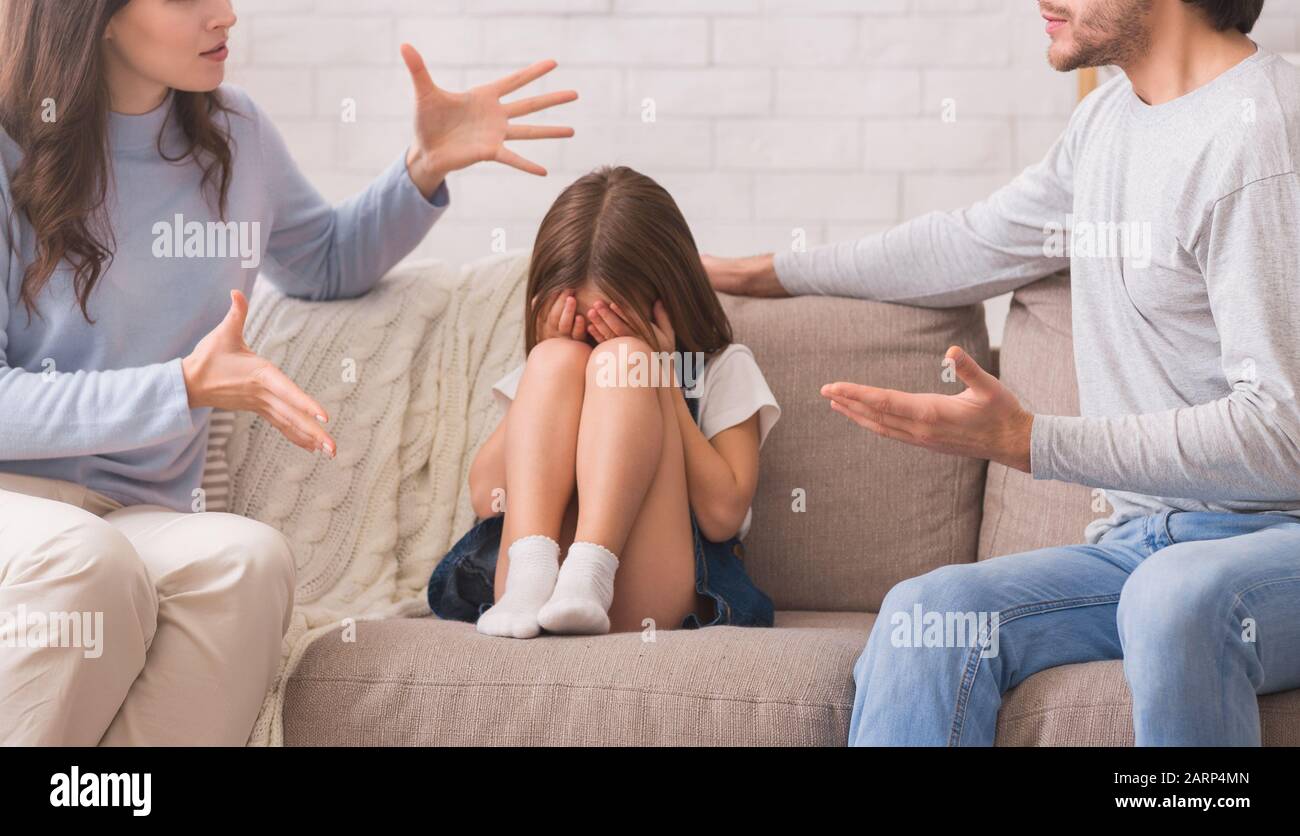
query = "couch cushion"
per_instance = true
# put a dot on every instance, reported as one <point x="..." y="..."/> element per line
<point x="1090" y="705"/>
<point x="425" y="682"/>
<point x="1036" y="361"/>
<point x="875" y="511"/>
<point x="430" y="682"/>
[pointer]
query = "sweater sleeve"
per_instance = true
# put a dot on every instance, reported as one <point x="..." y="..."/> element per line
<point x="1246" y="445"/>
<point x="947" y="259"/>
<point x="321" y="252"/>
<point x="48" y="413"/>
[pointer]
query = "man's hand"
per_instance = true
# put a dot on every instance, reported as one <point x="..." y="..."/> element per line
<point x="456" y="130"/>
<point x="986" y="421"/>
<point x="753" y="276"/>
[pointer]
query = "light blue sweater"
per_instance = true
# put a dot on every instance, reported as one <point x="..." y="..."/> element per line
<point x="105" y="405"/>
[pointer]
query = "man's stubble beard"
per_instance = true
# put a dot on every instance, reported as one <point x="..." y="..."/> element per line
<point x="1112" y="33"/>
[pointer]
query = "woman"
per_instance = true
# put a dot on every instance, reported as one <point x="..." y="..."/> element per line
<point x="123" y="153"/>
<point x="601" y="453"/>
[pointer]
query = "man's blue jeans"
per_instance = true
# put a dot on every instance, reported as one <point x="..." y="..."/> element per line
<point x="1203" y="608"/>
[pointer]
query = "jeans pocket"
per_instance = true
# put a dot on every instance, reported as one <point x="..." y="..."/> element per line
<point x="1165" y="516"/>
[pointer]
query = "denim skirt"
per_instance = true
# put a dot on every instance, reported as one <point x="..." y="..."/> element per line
<point x="461" y="588"/>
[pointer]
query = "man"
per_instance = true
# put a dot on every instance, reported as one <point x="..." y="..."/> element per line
<point x="1180" y="177"/>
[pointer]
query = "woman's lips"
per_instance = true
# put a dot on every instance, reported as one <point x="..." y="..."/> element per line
<point x="219" y="54"/>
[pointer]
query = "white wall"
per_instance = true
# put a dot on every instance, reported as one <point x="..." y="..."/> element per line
<point x="771" y="115"/>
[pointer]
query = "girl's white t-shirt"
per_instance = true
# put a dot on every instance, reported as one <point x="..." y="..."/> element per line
<point x="730" y="390"/>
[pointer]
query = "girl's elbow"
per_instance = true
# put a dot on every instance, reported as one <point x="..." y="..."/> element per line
<point x="720" y="522"/>
<point x="483" y="500"/>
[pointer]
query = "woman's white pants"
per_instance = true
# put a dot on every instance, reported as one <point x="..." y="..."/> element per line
<point x="138" y="625"/>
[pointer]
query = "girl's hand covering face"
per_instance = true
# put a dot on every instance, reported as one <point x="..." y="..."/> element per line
<point x="563" y="320"/>
<point x="608" y="321"/>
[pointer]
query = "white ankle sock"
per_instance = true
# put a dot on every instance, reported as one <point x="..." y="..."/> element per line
<point x="534" y="563"/>
<point x="583" y="591"/>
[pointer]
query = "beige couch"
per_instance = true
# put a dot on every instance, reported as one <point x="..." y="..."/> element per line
<point x="840" y="517"/>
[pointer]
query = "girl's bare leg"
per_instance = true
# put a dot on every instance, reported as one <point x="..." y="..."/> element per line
<point x="632" y="501"/>
<point x="541" y="444"/>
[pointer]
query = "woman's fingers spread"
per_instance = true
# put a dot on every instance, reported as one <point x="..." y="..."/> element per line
<point x="510" y="158"/>
<point x="521" y="78"/>
<point x="579" y="328"/>
<point x="533" y="104"/>
<point x="420" y="77"/>
<point x="538" y="132"/>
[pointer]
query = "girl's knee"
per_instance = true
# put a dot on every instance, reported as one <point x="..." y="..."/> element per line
<point x="558" y="356"/>
<point x="624" y="362"/>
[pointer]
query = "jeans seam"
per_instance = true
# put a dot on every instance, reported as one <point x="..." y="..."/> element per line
<point x="1269" y="582"/>
<point x="1005" y="617"/>
<point x="1238" y="601"/>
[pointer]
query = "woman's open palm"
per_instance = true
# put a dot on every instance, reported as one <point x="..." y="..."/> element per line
<point x="224" y="373"/>
<point x="455" y="130"/>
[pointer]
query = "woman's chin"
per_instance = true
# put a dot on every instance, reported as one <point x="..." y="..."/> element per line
<point x="204" y="82"/>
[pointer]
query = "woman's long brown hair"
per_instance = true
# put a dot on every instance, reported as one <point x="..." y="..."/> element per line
<point x="620" y="232"/>
<point x="52" y="51"/>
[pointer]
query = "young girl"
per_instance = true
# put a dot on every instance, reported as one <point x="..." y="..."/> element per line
<point x="643" y="480"/>
<point x="117" y="135"/>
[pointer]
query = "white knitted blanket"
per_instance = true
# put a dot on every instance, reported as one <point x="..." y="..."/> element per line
<point x="406" y="374"/>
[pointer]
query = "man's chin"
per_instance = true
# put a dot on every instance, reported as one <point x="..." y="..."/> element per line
<point x="1065" y="57"/>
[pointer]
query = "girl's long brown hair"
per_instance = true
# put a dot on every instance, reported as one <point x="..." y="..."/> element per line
<point x="620" y="232"/>
<point x="52" y="51"/>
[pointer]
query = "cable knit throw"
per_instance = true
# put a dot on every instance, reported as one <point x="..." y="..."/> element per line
<point x="405" y="373"/>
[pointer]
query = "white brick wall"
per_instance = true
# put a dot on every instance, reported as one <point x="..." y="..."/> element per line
<point x="771" y="115"/>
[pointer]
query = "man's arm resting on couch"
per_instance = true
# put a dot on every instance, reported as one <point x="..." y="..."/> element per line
<point x="948" y="259"/>
<point x="937" y="260"/>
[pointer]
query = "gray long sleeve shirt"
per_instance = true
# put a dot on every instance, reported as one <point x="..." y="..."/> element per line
<point x="1180" y="223"/>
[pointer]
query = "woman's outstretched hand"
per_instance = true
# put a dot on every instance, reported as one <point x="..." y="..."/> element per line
<point x="456" y="130"/>
<point x="223" y="372"/>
